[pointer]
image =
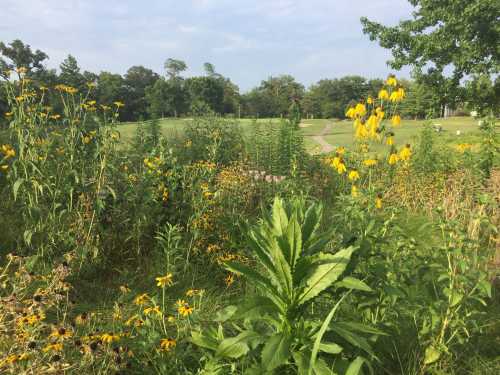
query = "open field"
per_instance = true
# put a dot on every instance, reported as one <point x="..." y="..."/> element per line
<point x="340" y="133"/>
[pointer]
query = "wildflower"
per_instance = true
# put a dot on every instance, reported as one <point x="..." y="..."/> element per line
<point x="370" y="162"/>
<point x="405" y="153"/>
<point x="91" y="85"/>
<point x="396" y="120"/>
<point x="152" y="310"/>
<point x="340" y="150"/>
<point x="109" y="338"/>
<point x="193" y="292"/>
<point x="141" y="299"/>
<point x="397" y="95"/>
<point x="390" y="140"/>
<point x="354" y="191"/>
<point x="91" y="102"/>
<point x="167" y="344"/>
<point x="86" y="139"/>
<point x="351" y="112"/>
<point x="8" y="151"/>
<point x="105" y="107"/>
<point x="171" y="319"/>
<point x="22" y="70"/>
<point x="118" y="104"/>
<point x="383" y="94"/>
<point x="360" y="109"/>
<point x="61" y="333"/>
<point x="393" y="159"/>
<point x="369" y="100"/>
<point x="380" y="113"/>
<point x="55" y="117"/>
<point x="55" y="347"/>
<point x="462" y="147"/>
<point x="134" y="320"/>
<point x="229" y="280"/>
<point x="341" y="168"/>
<point x="391" y="81"/>
<point x="378" y="202"/>
<point x="162" y="281"/>
<point x="184" y="309"/>
<point x="81" y="319"/>
<point x="353" y="175"/>
<point x="8" y="114"/>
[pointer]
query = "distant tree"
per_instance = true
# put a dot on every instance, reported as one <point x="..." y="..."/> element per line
<point x="482" y="94"/>
<point x="420" y="102"/>
<point x="136" y="80"/>
<point x="19" y="55"/>
<point x="209" y="90"/>
<point x="70" y="73"/>
<point x="174" y="68"/>
<point x="111" y="88"/>
<point x="209" y="69"/>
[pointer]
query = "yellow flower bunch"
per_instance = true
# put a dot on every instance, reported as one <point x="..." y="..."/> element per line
<point x="163" y="281"/>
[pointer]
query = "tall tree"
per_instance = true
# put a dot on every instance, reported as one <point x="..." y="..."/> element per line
<point x="19" y="55"/>
<point x="174" y="68"/>
<point x="136" y="80"/>
<point x="70" y="73"/>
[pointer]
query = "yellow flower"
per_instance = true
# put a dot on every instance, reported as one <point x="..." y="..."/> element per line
<point x="119" y="104"/>
<point x="354" y="191"/>
<point x="124" y="289"/>
<point x="55" y="117"/>
<point x="383" y="94"/>
<point x="141" y="299"/>
<point x="380" y="113"/>
<point x="109" y="338"/>
<point x="341" y="168"/>
<point x="340" y="150"/>
<point x="351" y="112"/>
<point x="405" y="153"/>
<point x="462" y="147"/>
<point x="61" y="332"/>
<point x="192" y="292"/>
<point x="81" y="319"/>
<point x="390" y="140"/>
<point x="150" y="310"/>
<point x="369" y="100"/>
<point x="353" y="175"/>
<point x="8" y="151"/>
<point x="162" y="281"/>
<point x="378" y="202"/>
<point x="86" y="139"/>
<point x="229" y="280"/>
<point x="360" y="110"/>
<point x="396" y="120"/>
<point x="391" y="81"/>
<point x="167" y="344"/>
<point x="185" y="310"/>
<point x="370" y="162"/>
<point x="8" y="114"/>
<point x="393" y="159"/>
<point x="171" y="319"/>
<point x="57" y="347"/>
<point x="397" y="95"/>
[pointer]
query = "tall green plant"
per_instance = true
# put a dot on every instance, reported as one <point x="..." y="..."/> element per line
<point x="294" y="268"/>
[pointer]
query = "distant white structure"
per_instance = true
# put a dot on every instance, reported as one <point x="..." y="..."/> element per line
<point x="473" y="114"/>
<point x="459" y="132"/>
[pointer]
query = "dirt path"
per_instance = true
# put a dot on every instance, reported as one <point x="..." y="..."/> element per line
<point x="325" y="146"/>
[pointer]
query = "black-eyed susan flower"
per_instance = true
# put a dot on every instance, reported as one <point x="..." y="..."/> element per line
<point x="370" y="162"/>
<point x="396" y="120"/>
<point x="383" y="94"/>
<point x="54" y="347"/>
<point x="141" y="299"/>
<point x="60" y="333"/>
<point x="405" y="153"/>
<point x="108" y="338"/>
<point x="391" y="81"/>
<point x="393" y="159"/>
<point x="152" y="310"/>
<point x="167" y="344"/>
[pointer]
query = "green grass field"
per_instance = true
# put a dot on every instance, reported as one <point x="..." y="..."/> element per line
<point x="340" y="133"/>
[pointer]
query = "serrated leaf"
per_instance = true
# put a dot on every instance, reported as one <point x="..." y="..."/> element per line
<point x="276" y="351"/>
<point x="236" y="347"/>
<point x="353" y="283"/>
<point x="324" y="273"/>
<point x="330" y="348"/>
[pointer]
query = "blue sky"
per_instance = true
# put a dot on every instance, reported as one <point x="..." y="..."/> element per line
<point x="246" y="40"/>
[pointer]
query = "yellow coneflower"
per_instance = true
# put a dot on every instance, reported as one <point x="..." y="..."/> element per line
<point x="405" y="153"/>
<point x="162" y="281"/>
<point x="60" y="332"/>
<point x="390" y="141"/>
<point x="81" y="319"/>
<point x="396" y="120"/>
<point x="351" y="113"/>
<point x="192" y="292"/>
<point x="167" y="344"/>
<point x="369" y="100"/>
<point x="340" y="150"/>
<point x="380" y="113"/>
<point x="341" y="168"/>
<point x="360" y="110"/>
<point x="353" y="175"/>
<point x="370" y="162"/>
<point x="183" y="308"/>
<point x="391" y="81"/>
<point x="393" y="159"/>
<point x="383" y="94"/>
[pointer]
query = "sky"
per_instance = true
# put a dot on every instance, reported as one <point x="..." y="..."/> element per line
<point x="246" y="40"/>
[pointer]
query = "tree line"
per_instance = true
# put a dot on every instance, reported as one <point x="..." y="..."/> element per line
<point x="148" y="95"/>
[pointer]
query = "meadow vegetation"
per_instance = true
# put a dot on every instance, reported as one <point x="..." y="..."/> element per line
<point x="218" y="250"/>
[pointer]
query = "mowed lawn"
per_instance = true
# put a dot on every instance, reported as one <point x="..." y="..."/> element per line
<point x="338" y="133"/>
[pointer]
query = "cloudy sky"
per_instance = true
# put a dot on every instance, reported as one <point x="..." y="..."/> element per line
<point x="246" y="40"/>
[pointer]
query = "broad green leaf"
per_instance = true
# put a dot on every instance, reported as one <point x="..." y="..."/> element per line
<point x="356" y="365"/>
<point x="294" y="237"/>
<point x="276" y="351"/>
<point x="324" y="273"/>
<point x="283" y="271"/>
<point x="431" y="355"/>
<point x="279" y="219"/>
<point x="360" y="327"/>
<point x="330" y="348"/>
<point x="235" y="347"/>
<point x="16" y="187"/>
<point x="256" y="307"/>
<point x="312" y="220"/>
<point x="225" y="314"/>
<point x="203" y="341"/>
<point x="353" y="283"/>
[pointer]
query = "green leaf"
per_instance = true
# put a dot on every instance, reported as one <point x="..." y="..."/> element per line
<point x="256" y="307"/>
<point x="324" y="273"/>
<point x="321" y="332"/>
<point x="353" y="338"/>
<point x="225" y="314"/>
<point x="236" y="347"/>
<point x="311" y="221"/>
<point x="276" y="351"/>
<point x="330" y="347"/>
<point x="279" y="219"/>
<point x="431" y="355"/>
<point x="360" y="327"/>
<point x="356" y="365"/>
<point x="353" y="283"/>
<point x="16" y="186"/>
<point x="203" y="341"/>
<point x="294" y="237"/>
